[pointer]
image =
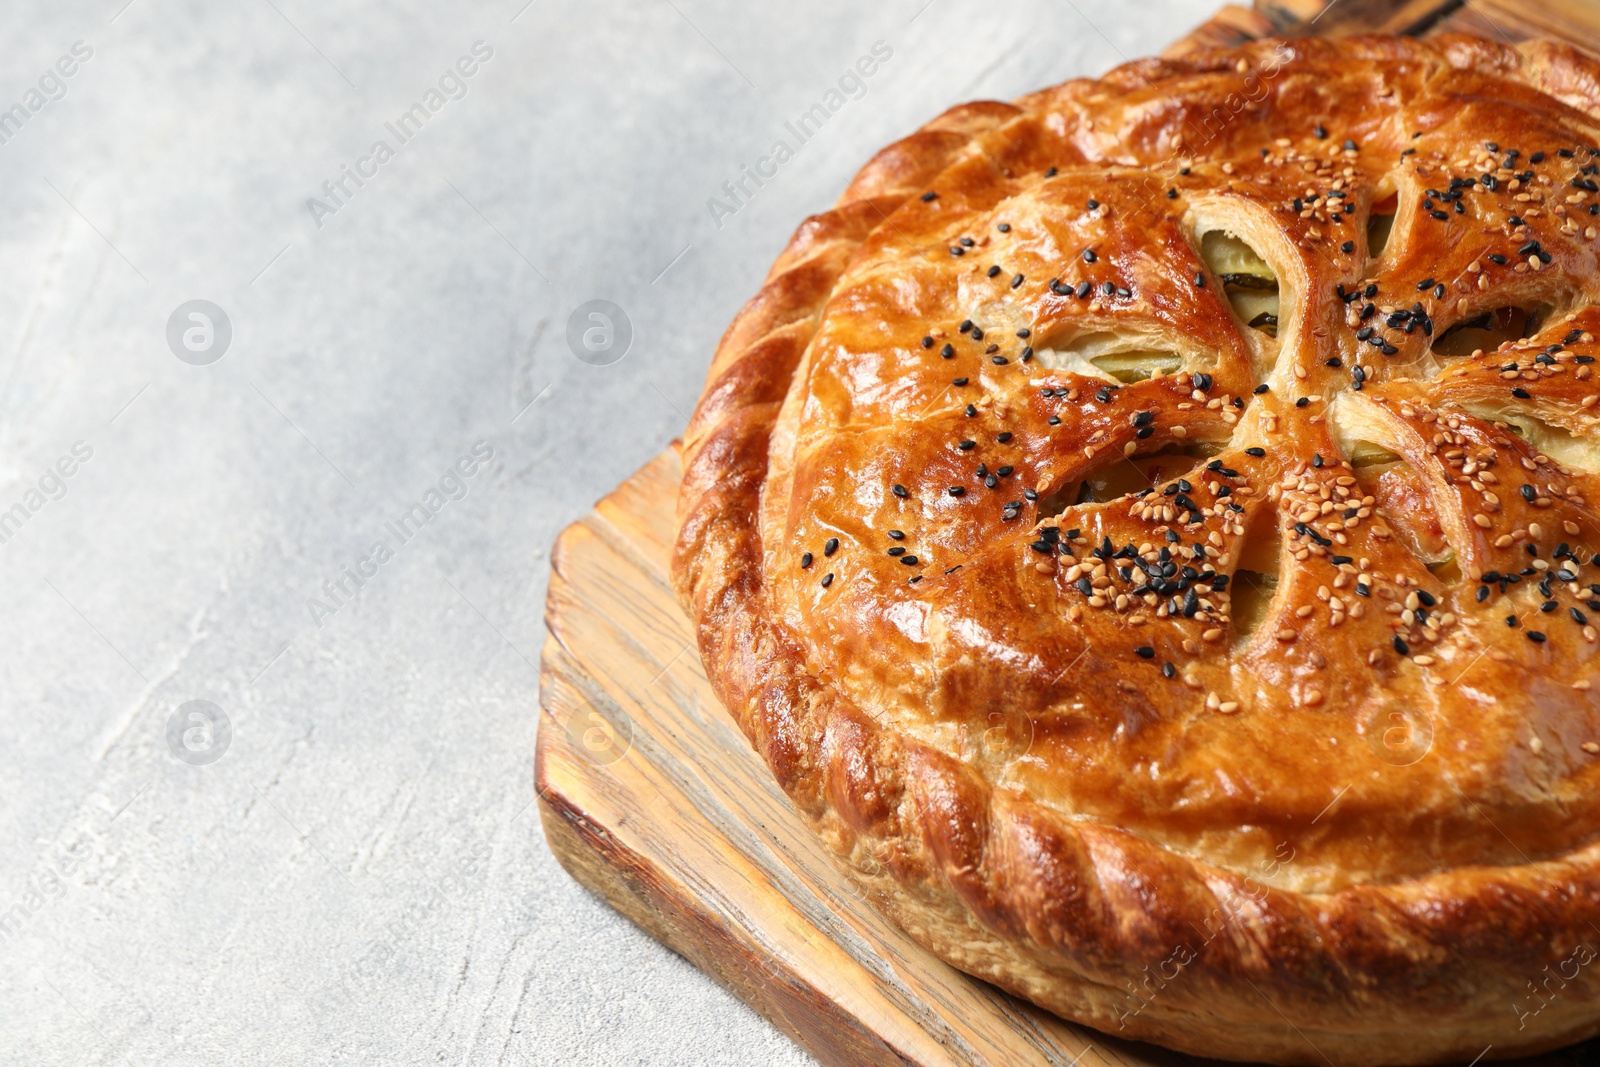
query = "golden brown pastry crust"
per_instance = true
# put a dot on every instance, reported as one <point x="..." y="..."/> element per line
<point x="1351" y="821"/>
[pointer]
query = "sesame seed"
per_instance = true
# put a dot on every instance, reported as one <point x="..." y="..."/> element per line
<point x="830" y="546"/>
<point x="805" y="560"/>
<point x="827" y="579"/>
<point x="929" y="195"/>
<point x="899" y="491"/>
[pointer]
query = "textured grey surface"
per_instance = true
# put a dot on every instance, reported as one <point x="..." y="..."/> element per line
<point x="358" y="878"/>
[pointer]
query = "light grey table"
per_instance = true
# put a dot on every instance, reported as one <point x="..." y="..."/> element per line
<point x="264" y="788"/>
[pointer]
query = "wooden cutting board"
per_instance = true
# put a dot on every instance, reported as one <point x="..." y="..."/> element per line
<point x="651" y="796"/>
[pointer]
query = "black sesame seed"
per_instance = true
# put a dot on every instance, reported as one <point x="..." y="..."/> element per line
<point x="830" y="546"/>
<point x="909" y="561"/>
<point x="805" y="560"/>
<point x="899" y="491"/>
<point x="955" y="490"/>
<point x="1256" y="452"/>
<point x="1004" y="227"/>
<point x="897" y="550"/>
<point x="827" y="579"/>
<point x="1089" y="256"/>
<point x="1003" y="437"/>
<point x="993" y="271"/>
<point x="948" y="351"/>
<point x="966" y="446"/>
<point x="1348" y="246"/>
<point x="1199" y="280"/>
<point x="1262" y="388"/>
<point x="1401" y="647"/>
<point x="958" y="381"/>
<point x="897" y="535"/>
<point x="1536" y="637"/>
<point x="929" y="195"/>
<point x="1016" y="281"/>
<point x="1145" y="652"/>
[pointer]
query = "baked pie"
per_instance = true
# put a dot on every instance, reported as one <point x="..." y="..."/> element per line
<point x="1150" y="532"/>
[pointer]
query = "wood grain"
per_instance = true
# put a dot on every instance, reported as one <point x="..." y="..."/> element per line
<point x="651" y="797"/>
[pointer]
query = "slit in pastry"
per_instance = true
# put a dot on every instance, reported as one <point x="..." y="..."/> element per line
<point x="1251" y="286"/>
<point x="1489" y="330"/>
<point x="1380" y="225"/>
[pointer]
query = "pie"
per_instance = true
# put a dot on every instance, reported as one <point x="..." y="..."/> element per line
<point x="1150" y="532"/>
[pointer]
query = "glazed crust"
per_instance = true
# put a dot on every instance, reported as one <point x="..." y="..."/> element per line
<point x="1280" y="753"/>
